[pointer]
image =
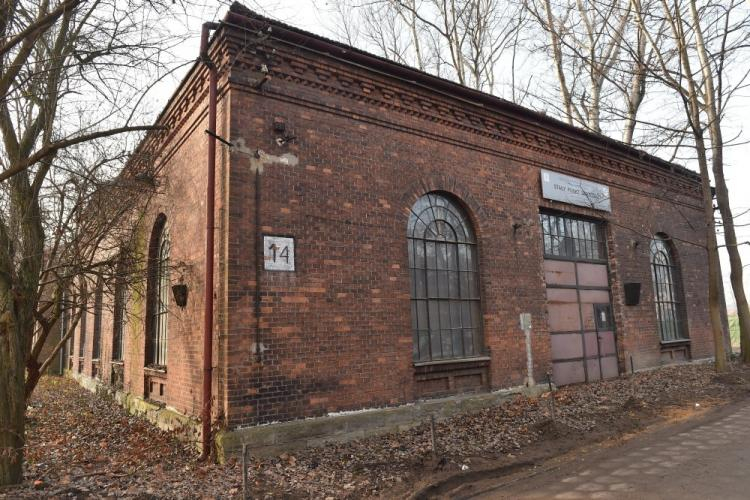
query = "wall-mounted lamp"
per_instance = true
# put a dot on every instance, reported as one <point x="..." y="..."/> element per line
<point x="180" y="292"/>
<point x="284" y="136"/>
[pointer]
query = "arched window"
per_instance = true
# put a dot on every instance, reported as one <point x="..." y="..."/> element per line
<point x="158" y="294"/>
<point x="119" y="316"/>
<point x="445" y="302"/>
<point x="666" y="290"/>
<point x="98" y="310"/>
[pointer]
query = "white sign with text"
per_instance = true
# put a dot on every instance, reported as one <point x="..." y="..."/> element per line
<point x="561" y="187"/>
<point x="278" y="253"/>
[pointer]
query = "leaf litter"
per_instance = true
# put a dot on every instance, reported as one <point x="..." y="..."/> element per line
<point x="85" y="446"/>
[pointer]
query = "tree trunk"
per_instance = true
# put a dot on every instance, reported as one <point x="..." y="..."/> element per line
<point x="712" y="109"/>
<point x="12" y="402"/>
<point x="712" y="248"/>
<point x="735" y="261"/>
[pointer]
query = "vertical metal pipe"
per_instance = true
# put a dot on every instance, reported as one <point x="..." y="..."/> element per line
<point x="258" y="267"/>
<point x="208" y="312"/>
<point x="245" y="485"/>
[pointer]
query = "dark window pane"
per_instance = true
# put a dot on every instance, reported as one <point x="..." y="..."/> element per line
<point x="420" y="290"/>
<point x="432" y="284"/>
<point x="453" y="290"/>
<point x="458" y="343"/>
<point x="419" y="260"/>
<point x="443" y="291"/>
<point x="423" y="323"/>
<point x="430" y="257"/>
<point x="469" y="341"/>
<point x="447" y="344"/>
<point x="414" y="317"/>
<point x="424" y="345"/>
<point x="435" y="347"/>
<point x="473" y="286"/>
<point x="464" y="290"/>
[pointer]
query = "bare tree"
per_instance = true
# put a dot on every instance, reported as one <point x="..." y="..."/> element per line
<point x="462" y="40"/>
<point x="72" y="74"/>
<point x="585" y="41"/>
<point x="703" y="40"/>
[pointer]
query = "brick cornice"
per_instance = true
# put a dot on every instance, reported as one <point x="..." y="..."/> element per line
<point x="190" y="95"/>
<point x="330" y="75"/>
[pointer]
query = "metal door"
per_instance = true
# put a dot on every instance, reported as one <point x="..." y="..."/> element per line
<point x="582" y="335"/>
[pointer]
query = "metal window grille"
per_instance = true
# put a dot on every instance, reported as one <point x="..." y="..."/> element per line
<point x="161" y="303"/>
<point x="571" y="238"/>
<point x="445" y="299"/>
<point x="98" y="304"/>
<point x="119" y="322"/>
<point x="668" y="306"/>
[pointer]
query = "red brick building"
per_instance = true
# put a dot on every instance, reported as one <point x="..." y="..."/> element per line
<point x="394" y="227"/>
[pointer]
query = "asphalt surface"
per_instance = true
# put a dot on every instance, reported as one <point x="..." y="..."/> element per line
<point x="705" y="458"/>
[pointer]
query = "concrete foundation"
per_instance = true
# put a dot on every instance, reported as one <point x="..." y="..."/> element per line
<point x="271" y="439"/>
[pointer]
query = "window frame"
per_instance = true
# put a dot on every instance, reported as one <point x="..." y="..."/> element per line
<point x="665" y="277"/>
<point x="444" y="281"/>
<point x="157" y="300"/>
<point x="119" y="321"/>
<point x="96" y="346"/>
<point x="573" y="237"/>
<point x="83" y="322"/>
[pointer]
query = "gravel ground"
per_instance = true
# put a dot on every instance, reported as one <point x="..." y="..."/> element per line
<point x="83" y="446"/>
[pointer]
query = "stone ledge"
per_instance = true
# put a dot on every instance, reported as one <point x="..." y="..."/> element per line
<point x="165" y="418"/>
<point x="271" y="439"/>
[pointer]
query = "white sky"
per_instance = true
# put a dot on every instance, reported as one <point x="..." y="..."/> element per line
<point x="312" y="15"/>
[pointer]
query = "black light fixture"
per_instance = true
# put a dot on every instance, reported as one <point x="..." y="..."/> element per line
<point x="180" y="292"/>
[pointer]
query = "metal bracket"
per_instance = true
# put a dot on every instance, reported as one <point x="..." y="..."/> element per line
<point x="219" y="138"/>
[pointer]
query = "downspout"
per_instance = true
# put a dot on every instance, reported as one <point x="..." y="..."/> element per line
<point x="208" y="299"/>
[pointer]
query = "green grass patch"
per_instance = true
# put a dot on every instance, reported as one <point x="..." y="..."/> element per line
<point x="734" y="331"/>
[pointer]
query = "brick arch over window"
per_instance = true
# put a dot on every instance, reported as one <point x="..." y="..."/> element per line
<point x="668" y="294"/>
<point x="474" y="210"/>
<point x="157" y="294"/>
<point x="444" y="280"/>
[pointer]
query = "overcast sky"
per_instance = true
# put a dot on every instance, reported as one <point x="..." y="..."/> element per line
<point x="312" y="15"/>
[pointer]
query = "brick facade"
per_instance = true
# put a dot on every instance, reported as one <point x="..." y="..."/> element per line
<point x="362" y="140"/>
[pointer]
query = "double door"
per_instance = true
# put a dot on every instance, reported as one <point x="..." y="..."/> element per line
<point x="583" y="347"/>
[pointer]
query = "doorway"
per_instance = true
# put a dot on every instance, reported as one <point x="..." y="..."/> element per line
<point x="582" y="333"/>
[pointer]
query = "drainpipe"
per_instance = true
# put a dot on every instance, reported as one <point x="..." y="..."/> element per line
<point x="208" y="300"/>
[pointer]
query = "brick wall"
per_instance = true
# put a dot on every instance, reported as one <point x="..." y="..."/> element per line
<point x="180" y="153"/>
<point x="337" y="331"/>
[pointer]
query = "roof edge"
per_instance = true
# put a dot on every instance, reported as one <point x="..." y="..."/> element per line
<point x="239" y="13"/>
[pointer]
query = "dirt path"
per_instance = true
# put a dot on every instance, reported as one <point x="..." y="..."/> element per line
<point x="702" y="458"/>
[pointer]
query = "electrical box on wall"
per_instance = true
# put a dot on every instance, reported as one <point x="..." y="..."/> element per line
<point x="632" y="294"/>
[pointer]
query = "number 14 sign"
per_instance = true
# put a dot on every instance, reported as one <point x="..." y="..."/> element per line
<point x="278" y="253"/>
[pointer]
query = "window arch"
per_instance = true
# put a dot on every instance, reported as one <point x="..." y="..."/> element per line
<point x="666" y="290"/>
<point x="158" y="294"/>
<point x="444" y="275"/>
